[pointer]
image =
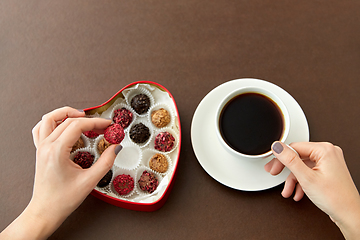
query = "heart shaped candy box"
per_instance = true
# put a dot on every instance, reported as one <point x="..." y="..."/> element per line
<point x="134" y="158"/>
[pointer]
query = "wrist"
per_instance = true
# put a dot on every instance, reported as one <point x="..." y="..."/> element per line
<point x="349" y="224"/>
<point x="45" y="218"/>
<point x="32" y="223"/>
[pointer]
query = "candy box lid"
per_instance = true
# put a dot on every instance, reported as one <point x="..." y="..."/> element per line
<point x="159" y="97"/>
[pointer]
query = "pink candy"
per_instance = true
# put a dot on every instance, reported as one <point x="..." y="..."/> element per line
<point x="123" y="184"/>
<point x="114" y="133"/>
<point x="164" y="142"/>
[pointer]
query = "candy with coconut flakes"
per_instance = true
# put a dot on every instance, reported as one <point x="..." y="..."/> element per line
<point x="159" y="163"/>
<point x="79" y="144"/>
<point x="160" y="118"/>
<point x="102" y="145"/>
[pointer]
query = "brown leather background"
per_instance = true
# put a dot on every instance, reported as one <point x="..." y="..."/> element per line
<point x="80" y="53"/>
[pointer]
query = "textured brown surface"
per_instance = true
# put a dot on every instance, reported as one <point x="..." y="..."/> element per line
<point x="79" y="53"/>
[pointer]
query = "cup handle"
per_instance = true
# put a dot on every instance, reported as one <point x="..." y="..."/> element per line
<point x="293" y="150"/>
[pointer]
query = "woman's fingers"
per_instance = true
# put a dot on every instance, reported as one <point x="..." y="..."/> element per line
<point x="274" y="167"/>
<point x="102" y="165"/>
<point x="299" y="193"/>
<point x="289" y="186"/>
<point x="35" y="133"/>
<point x="51" y="120"/>
<point x="313" y="150"/>
<point x="291" y="160"/>
<point x="69" y="131"/>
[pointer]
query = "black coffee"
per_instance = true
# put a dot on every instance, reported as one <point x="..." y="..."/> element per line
<point x="250" y="123"/>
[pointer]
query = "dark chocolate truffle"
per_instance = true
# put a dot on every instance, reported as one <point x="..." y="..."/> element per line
<point x="139" y="133"/>
<point x="160" y="118"/>
<point x="123" y="117"/>
<point x="159" y="163"/>
<point x="84" y="159"/>
<point x="106" y="179"/>
<point x="148" y="182"/>
<point x="123" y="184"/>
<point x="114" y="133"/>
<point x="140" y="103"/>
<point x="164" y="142"/>
<point x="79" y="144"/>
<point x="102" y="145"/>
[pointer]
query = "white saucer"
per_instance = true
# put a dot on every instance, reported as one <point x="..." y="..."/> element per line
<point x="239" y="173"/>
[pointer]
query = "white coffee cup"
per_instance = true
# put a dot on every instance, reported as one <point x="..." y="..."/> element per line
<point x="261" y="93"/>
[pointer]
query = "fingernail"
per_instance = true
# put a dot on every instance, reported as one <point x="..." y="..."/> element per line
<point x="278" y="148"/>
<point x="118" y="149"/>
<point x="108" y="118"/>
<point x="80" y="110"/>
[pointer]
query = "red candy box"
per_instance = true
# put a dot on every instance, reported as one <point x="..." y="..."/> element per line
<point x="135" y="156"/>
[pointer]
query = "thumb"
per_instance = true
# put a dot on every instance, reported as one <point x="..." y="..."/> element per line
<point x="104" y="163"/>
<point x="290" y="159"/>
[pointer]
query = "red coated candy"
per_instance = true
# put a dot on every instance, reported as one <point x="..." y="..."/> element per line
<point x="164" y="142"/>
<point x="114" y="133"/>
<point x="123" y="117"/>
<point x="148" y="182"/>
<point x="91" y="134"/>
<point x="123" y="184"/>
<point x="84" y="159"/>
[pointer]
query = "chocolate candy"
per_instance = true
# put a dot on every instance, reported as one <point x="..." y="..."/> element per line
<point x="106" y="179"/>
<point x="140" y="103"/>
<point x="139" y="133"/>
